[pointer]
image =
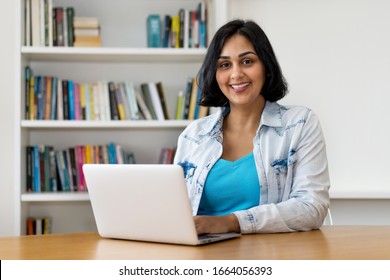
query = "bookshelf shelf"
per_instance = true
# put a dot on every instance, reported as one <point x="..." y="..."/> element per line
<point x="47" y="54"/>
<point x="47" y="197"/>
<point x="105" y="124"/>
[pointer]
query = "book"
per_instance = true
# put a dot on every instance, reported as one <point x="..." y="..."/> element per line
<point x="106" y="100"/>
<point x="30" y="226"/>
<point x="90" y="101"/>
<point x="126" y="105"/>
<point x="148" y="100"/>
<point x="113" y="101"/>
<point x="36" y="183"/>
<point x="112" y="158"/>
<point x="87" y="41"/>
<point x="193" y="99"/>
<point x="153" y="31"/>
<point x="187" y="98"/>
<point x="27" y="76"/>
<point x="96" y="101"/>
<point x="85" y="22"/>
<point x="71" y="102"/>
<point x="59" y="17"/>
<point x="163" y="100"/>
<point x="54" y="95"/>
<point x="83" y="102"/>
<point x="47" y="18"/>
<point x="143" y="108"/>
<point x="166" y="31"/>
<point x="53" y="172"/>
<point x="60" y="101"/>
<point x="202" y="24"/>
<point x="194" y="30"/>
<point x="86" y="32"/>
<point x="39" y="96"/>
<point x="175" y="31"/>
<point x="65" y="26"/>
<point x="31" y="106"/>
<point x="29" y="168"/>
<point x="42" y="168"/>
<point x="70" y="30"/>
<point x="79" y="168"/>
<point x="65" y="170"/>
<point x="27" y="23"/>
<point x="181" y="27"/>
<point x="132" y="100"/>
<point x="119" y="102"/>
<point x="50" y="22"/>
<point x="184" y="25"/>
<point x="35" y="23"/>
<point x="65" y="99"/>
<point x="179" y="105"/>
<point x="48" y="97"/>
<point x="69" y="169"/>
<point x="156" y="101"/>
<point x="46" y="164"/>
<point x="77" y="106"/>
<point x="54" y="26"/>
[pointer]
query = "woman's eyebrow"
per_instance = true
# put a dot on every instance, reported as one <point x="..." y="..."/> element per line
<point x="240" y="55"/>
<point x="245" y="53"/>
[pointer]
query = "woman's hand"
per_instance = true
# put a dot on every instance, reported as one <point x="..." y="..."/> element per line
<point x="216" y="224"/>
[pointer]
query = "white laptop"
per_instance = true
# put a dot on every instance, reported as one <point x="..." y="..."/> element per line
<point x="144" y="202"/>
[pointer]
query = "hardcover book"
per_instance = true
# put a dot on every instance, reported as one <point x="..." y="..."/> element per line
<point x="154" y="31"/>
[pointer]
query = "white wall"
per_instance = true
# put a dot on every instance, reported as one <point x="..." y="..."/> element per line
<point x="335" y="56"/>
<point x="7" y="117"/>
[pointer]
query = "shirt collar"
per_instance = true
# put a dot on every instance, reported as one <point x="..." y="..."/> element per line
<point x="272" y="117"/>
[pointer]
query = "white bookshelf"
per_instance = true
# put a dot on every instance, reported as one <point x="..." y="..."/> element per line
<point x="123" y="57"/>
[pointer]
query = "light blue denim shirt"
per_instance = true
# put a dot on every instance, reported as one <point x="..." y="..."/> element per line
<point x="291" y="162"/>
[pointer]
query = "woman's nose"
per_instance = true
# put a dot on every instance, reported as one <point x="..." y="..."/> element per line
<point x="236" y="72"/>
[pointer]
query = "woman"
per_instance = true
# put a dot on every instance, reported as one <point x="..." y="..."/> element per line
<point x="254" y="165"/>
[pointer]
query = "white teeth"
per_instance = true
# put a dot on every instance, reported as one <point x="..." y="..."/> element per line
<point x="239" y="86"/>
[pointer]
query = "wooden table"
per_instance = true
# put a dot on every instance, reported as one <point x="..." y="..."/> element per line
<point x="330" y="242"/>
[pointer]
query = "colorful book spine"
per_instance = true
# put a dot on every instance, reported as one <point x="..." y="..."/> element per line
<point x="71" y="100"/>
<point x="53" y="107"/>
<point x="154" y="31"/>
<point x="27" y="77"/>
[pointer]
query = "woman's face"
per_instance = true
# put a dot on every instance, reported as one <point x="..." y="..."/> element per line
<point x="240" y="73"/>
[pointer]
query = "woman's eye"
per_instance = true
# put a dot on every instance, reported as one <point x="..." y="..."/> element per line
<point x="247" y="61"/>
<point x="224" y="65"/>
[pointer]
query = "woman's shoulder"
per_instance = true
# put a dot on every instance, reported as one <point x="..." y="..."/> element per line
<point x="289" y="115"/>
<point x="205" y="124"/>
<point x="292" y="111"/>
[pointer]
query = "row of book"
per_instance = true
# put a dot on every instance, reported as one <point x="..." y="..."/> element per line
<point x="47" y="26"/>
<point x="38" y="225"/>
<point x="52" y="98"/>
<point x="51" y="170"/>
<point x="186" y="29"/>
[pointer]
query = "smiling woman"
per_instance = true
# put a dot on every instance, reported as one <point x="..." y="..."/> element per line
<point x="256" y="166"/>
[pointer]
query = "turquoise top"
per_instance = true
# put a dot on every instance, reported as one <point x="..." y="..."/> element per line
<point x="230" y="186"/>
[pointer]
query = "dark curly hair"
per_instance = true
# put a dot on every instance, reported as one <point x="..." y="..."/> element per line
<point x="275" y="87"/>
